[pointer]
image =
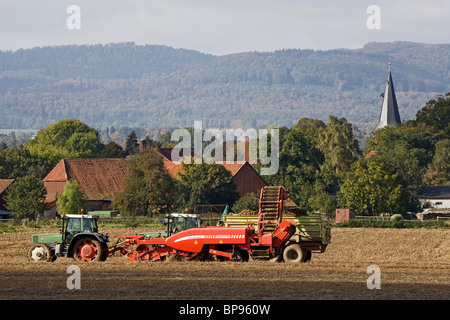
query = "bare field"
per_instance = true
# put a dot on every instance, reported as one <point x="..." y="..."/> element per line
<point x="414" y="264"/>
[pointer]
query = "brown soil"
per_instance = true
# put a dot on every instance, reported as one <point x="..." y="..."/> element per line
<point x="414" y="264"/>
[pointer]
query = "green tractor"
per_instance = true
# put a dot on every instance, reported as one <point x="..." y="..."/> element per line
<point x="175" y="222"/>
<point x="79" y="239"/>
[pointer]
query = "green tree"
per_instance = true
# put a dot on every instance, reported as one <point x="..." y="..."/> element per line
<point x="112" y="150"/>
<point x="206" y="184"/>
<point x="311" y="129"/>
<point x="438" y="171"/>
<point x="436" y="114"/>
<point x="72" y="200"/>
<point x="131" y="145"/>
<point x="249" y="201"/>
<point x="318" y="199"/>
<point x="25" y="197"/>
<point x="18" y="162"/>
<point x="339" y="147"/>
<point x="407" y="149"/>
<point x="375" y="187"/>
<point x="299" y="164"/>
<point x="149" y="188"/>
<point x="68" y="138"/>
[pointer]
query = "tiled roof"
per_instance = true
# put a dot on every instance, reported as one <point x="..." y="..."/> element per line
<point x="4" y="183"/>
<point x="435" y="192"/>
<point x="173" y="167"/>
<point x="99" y="179"/>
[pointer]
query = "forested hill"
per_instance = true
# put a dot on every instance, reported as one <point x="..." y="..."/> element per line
<point x="160" y="87"/>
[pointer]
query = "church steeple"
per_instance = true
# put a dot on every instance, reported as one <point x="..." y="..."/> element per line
<point x="389" y="111"/>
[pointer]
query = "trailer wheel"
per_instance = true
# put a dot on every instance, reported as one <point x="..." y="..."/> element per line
<point x="88" y="249"/>
<point x="277" y="255"/>
<point x="40" y="252"/>
<point x="294" y="254"/>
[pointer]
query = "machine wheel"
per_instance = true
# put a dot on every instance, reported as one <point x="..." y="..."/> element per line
<point x="88" y="249"/>
<point x="40" y="252"/>
<point x="240" y="255"/>
<point x="144" y="252"/>
<point x="294" y="254"/>
<point x="277" y="255"/>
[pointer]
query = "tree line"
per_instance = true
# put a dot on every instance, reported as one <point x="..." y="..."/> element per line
<point x="162" y="87"/>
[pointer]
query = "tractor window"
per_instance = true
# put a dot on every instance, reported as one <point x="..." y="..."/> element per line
<point x="87" y="225"/>
<point x="191" y="223"/>
<point x="73" y="225"/>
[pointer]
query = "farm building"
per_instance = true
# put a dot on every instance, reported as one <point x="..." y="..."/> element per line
<point x="435" y="197"/>
<point x="100" y="179"/>
<point x="4" y="184"/>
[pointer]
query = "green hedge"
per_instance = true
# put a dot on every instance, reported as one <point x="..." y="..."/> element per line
<point x="365" y="223"/>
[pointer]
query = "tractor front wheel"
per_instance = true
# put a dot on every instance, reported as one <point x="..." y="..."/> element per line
<point x="40" y="252"/>
<point x="88" y="249"/>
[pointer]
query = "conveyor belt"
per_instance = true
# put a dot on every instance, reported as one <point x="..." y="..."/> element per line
<point x="271" y="205"/>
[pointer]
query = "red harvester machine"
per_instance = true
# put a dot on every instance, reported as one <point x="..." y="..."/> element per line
<point x="265" y="240"/>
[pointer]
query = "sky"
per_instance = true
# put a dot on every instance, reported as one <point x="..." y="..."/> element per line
<point x="223" y="27"/>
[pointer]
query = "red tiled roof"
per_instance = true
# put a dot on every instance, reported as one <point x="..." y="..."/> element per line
<point x="99" y="179"/>
<point x="173" y="167"/>
<point x="58" y="173"/>
<point x="4" y="183"/>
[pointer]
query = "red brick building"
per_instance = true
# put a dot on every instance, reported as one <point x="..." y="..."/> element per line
<point x="99" y="179"/>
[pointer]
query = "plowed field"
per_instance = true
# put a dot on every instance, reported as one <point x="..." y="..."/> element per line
<point x="413" y="264"/>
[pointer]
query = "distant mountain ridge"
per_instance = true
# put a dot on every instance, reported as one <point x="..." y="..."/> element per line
<point x="159" y="87"/>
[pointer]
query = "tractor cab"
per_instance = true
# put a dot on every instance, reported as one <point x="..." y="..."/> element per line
<point x="74" y="224"/>
<point x="182" y="221"/>
<point x="175" y="222"/>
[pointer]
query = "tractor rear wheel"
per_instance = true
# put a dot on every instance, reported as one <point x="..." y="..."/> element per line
<point x="88" y="249"/>
<point x="294" y="254"/>
<point x="40" y="252"/>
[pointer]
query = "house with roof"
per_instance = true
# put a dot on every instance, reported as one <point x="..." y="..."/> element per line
<point x="246" y="178"/>
<point x="99" y="179"/>
<point x="4" y="184"/>
<point x="435" y="197"/>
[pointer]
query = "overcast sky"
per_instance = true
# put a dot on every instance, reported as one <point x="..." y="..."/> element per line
<point x="225" y="26"/>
